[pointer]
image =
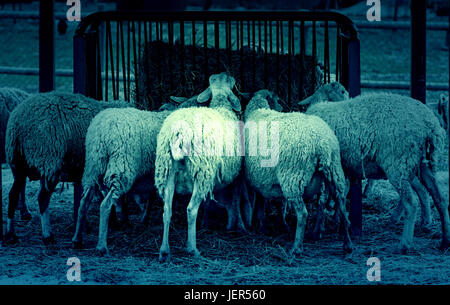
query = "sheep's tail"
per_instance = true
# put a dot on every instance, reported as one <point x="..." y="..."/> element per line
<point x="166" y="155"/>
<point x="12" y="150"/>
<point x="434" y="145"/>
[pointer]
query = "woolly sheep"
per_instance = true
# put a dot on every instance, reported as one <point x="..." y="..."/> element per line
<point x="308" y="155"/>
<point x="9" y="99"/>
<point x="45" y="140"/>
<point x="215" y="163"/>
<point x="120" y="149"/>
<point x="389" y="136"/>
<point x="336" y="92"/>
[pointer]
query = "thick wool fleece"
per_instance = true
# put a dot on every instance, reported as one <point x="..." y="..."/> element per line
<point x="9" y="99"/>
<point x="306" y="146"/>
<point x="121" y="148"/>
<point x="210" y="171"/>
<point x="45" y="136"/>
<point x="383" y="131"/>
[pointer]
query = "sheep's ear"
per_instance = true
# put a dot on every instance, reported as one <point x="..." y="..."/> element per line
<point x="204" y="96"/>
<point x="235" y="102"/>
<point x="178" y="99"/>
<point x="305" y="102"/>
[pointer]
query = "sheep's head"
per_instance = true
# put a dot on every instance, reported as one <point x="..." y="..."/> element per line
<point x="331" y="92"/>
<point x="220" y="88"/>
<point x="271" y="97"/>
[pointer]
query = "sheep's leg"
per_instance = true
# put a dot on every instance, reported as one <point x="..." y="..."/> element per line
<point x="302" y="215"/>
<point x="24" y="212"/>
<point x="234" y="211"/>
<point x="192" y="211"/>
<point x="111" y="199"/>
<point x="368" y="187"/>
<point x="405" y="191"/>
<point x="344" y="221"/>
<point x="86" y="199"/>
<point x="249" y="205"/>
<point x="319" y="226"/>
<point x="429" y="181"/>
<point x="77" y="195"/>
<point x="47" y="188"/>
<point x="169" y="190"/>
<point x="14" y="194"/>
<point x="260" y="206"/>
<point x="421" y="192"/>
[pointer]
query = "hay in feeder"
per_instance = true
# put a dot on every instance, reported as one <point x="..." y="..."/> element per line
<point x="181" y="71"/>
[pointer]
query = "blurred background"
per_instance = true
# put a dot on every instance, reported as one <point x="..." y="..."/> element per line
<point x="385" y="52"/>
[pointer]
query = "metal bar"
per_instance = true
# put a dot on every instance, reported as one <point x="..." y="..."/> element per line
<point x="205" y="47"/>
<point x="123" y="62"/>
<point x="135" y="61"/>
<point x="302" y="58"/>
<point x="266" y="76"/>
<point x="418" y="50"/>
<point x="290" y="43"/>
<point x="193" y="44"/>
<point x="129" y="58"/>
<point x="170" y="30"/>
<point x="117" y="61"/>
<point x="278" y="57"/>
<point x="338" y="54"/>
<point x="99" y="68"/>
<point x="183" y="65"/>
<point x="314" y="57"/>
<point x="147" y="59"/>
<point x="254" y="55"/>
<point x="216" y="44"/>
<point x="46" y="46"/>
<point x="106" y="61"/>
<point x="326" y="55"/>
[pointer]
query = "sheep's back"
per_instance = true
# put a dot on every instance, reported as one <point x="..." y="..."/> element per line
<point x="49" y="133"/>
<point x="306" y="143"/>
<point x="390" y="130"/>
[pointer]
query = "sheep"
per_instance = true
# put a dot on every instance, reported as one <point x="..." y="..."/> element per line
<point x="308" y="155"/>
<point x="120" y="149"/>
<point x="384" y="135"/>
<point x="9" y="99"/>
<point x="336" y="92"/>
<point x="197" y="152"/>
<point x="225" y="195"/>
<point x="45" y="141"/>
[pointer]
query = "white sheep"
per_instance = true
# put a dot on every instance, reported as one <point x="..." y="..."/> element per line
<point x="198" y="151"/>
<point x="389" y="136"/>
<point x="9" y="99"/>
<point x="308" y="155"/>
<point x="120" y="150"/>
<point x="45" y="141"/>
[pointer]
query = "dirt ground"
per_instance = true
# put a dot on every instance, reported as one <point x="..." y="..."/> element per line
<point x="227" y="258"/>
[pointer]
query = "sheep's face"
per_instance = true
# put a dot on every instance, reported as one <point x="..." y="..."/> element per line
<point x="335" y="92"/>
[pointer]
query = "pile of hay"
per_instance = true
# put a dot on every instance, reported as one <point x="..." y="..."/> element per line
<point x="160" y="73"/>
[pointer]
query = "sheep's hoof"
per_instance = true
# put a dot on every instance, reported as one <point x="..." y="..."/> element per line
<point x="101" y="251"/>
<point x="77" y="244"/>
<point x="296" y="251"/>
<point x="164" y="256"/>
<point x="445" y="244"/>
<point x="25" y="216"/>
<point x="348" y="248"/>
<point x="406" y="250"/>
<point x="50" y="240"/>
<point x="11" y="238"/>
<point x="194" y="252"/>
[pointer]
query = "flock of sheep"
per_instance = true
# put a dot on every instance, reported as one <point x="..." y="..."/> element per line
<point x="206" y="147"/>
